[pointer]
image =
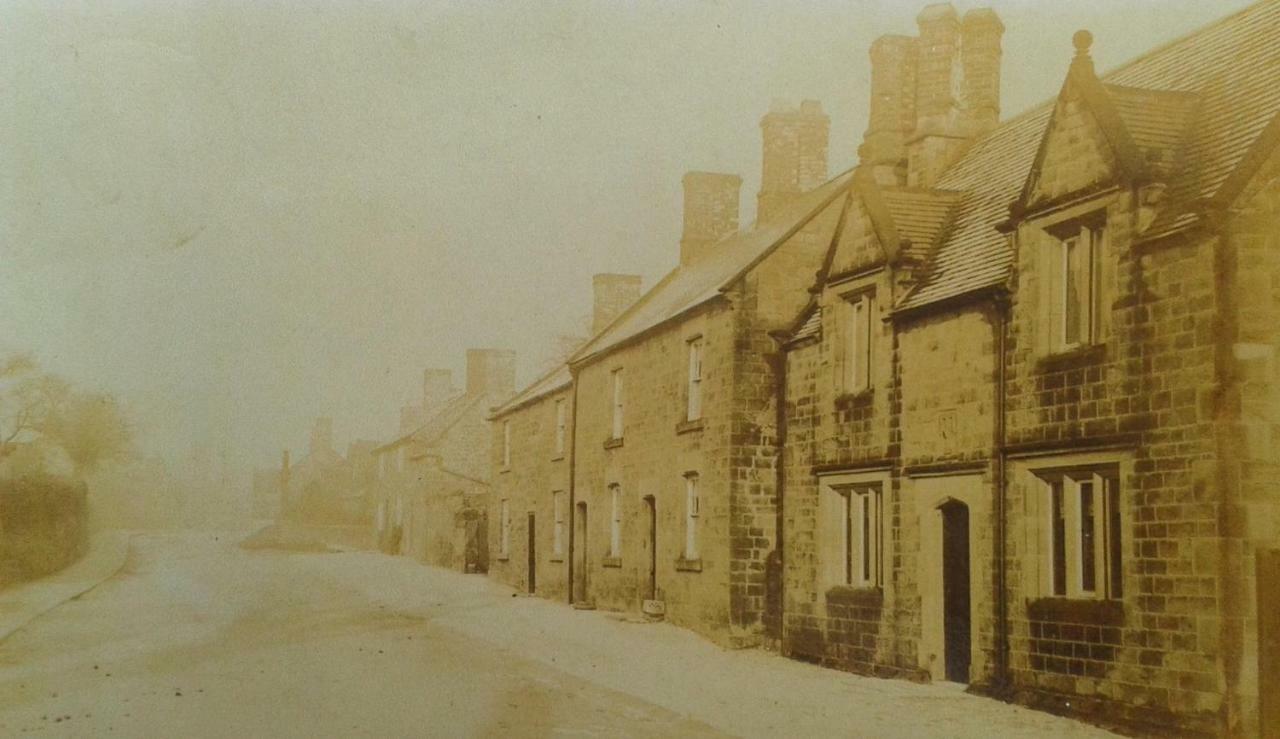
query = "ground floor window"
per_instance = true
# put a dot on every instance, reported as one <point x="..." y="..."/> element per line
<point x="504" y="528"/>
<point x="557" y="512"/>
<point x="1081" y="532"/>
<point x="615" y="521"/>
<point x="692" y="509"/>
<point x="852" y="531"/>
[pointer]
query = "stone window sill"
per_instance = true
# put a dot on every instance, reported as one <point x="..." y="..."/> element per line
<point x="504" y="470"/>
<point x="688" y="427"/>
<point x="557" y="558"/>
<point x="503" y="557"/>
<point x="862" y="398"/>
<point x="1087" y="611"/>
<point x="613" y="443"/>
<point x="558" y="457"/>
<point x="689" y="565"/>
<point x="863" y="595"/>
<point x="1077" y="358"/>
<point x="611" y="562"/>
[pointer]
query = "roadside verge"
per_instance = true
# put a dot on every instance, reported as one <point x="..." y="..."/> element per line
<point x="21" y="604"/>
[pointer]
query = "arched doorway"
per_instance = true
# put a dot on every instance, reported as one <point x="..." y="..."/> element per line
<point x="956" y="606"/>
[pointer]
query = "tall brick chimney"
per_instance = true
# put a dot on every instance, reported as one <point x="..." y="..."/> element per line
<point x="710" y="212"/>
<point x="411" y="418"/>
<point x="980" y="53"/>
<point x="795" y="155"/>
<point x="437" y="389"/>
<point x="491" y="372"/>
<point x="933" y="94"/>
<point x="893" y="103"/>
<point x="613" y="294"/>
<point x="939" y="74"/>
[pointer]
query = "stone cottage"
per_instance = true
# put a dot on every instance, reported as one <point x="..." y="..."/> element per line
<point x="529" y="504"/>
<point x="641" y="472"/>
<point x="433" y="480"/>
<point x="1030" y="413"/>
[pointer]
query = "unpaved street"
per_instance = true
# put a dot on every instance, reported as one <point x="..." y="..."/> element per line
<point x="196" y="637"/>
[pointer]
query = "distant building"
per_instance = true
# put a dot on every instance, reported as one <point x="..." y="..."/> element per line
<point x="432" y="481"/>
<point x="323" y="487"/>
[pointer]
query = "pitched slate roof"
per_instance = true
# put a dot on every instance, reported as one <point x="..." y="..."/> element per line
<point x="1156" y="119"/>
<point x="551" y="382"/>
<point x="919" y="215"/>
<point x="438" y="424"/>
<point x="1233" y="65"/>
<point x="811" y="325"/>
<point x="691" y="285"/>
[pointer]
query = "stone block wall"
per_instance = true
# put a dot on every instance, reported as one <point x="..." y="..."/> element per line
<point x="657" y="449"/>
<point x="1147" y="388"/>
<point x="1250" y="444"/>
<point x="528" y="485"/>
<point x="930" y="410"/>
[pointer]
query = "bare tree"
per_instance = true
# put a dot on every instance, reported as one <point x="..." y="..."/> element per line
<point x="38" y="408"/>
<point x="28" y="398"/>
<point x="91" y="428"/>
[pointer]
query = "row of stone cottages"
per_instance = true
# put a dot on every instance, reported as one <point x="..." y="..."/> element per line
<point x="998" y="406"/>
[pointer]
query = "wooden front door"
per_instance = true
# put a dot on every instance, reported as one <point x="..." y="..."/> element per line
<point x="580" y="554"/>
<point x="955" y="591"/>
<point x="533" y="557"/>
<point x="652" y="509"/>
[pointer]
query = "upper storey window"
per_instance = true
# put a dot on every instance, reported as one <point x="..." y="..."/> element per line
<point x="1077" y="282"/>
<point x="693" y="410"/>
<point x="617" y="403"/>
<point x="856" y="352"/>
<point x="562" y="420"/>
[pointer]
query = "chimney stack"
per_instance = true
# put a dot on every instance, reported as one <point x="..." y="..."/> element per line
<point x="613" y="294"/>
<point x="491" y="372"/>
<point x="931" y="96"/>
<point x="795" y="155"/>
<point x="437" y="389"/>
<point x="710" y="211"/>
<point x="980" y="53"/>
<point x="893" y="100"/>
<point x="322" y="435"/>
<point x="411" y="418"/>
<point x="937" y="104"/>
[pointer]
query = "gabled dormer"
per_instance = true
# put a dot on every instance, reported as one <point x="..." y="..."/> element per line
<point x="887" y="225"/>
<point x="1101" y="136"/>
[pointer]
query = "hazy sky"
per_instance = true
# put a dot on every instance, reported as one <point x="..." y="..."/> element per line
<point x="238" y="216"/>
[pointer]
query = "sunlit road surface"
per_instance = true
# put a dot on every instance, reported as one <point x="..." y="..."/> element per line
<point x="199" y="638"/>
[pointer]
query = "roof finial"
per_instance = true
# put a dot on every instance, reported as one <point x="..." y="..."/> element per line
<point x="1082" y="40"/>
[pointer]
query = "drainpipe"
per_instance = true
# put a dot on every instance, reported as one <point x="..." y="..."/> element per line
<point x="573" y="506"/>
<point x="779" y="361"/>
<point x="1001" y="307"/>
